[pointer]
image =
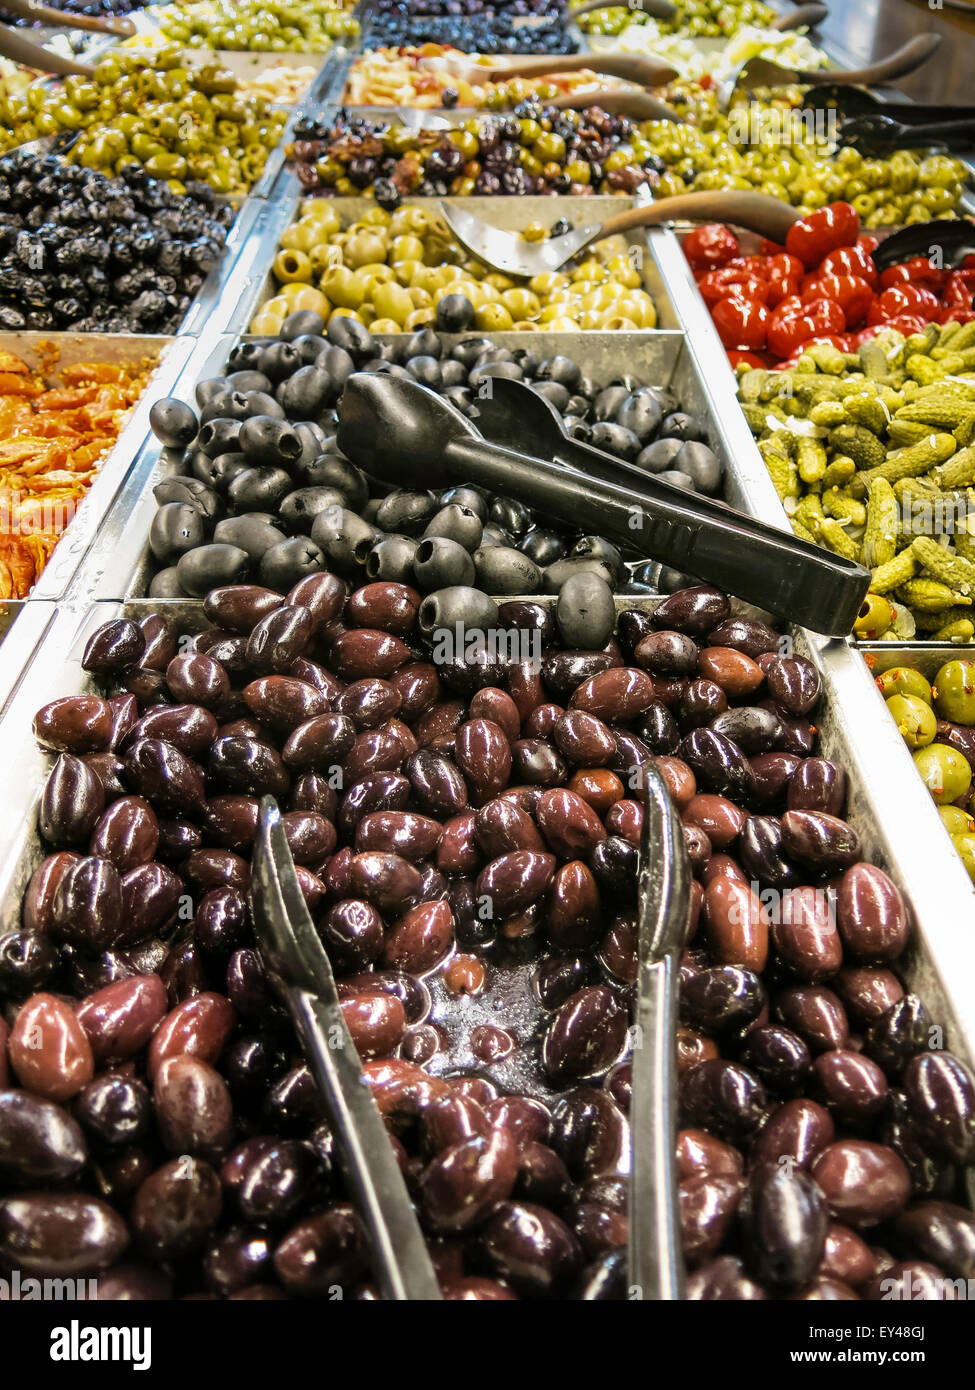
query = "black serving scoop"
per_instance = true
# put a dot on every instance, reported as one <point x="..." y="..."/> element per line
<point x="401" y="432"/>
<point x="953" y="239"/>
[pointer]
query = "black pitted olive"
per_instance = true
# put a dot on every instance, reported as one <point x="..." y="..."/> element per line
<point x="301" y="322"/>
<point x="679" y="425"/>
<point x="555" y="393"/>
<point x="210" y="386"/>
<point x="165" y="584"/>
<point x="219" y="435"/>
<point x="440" y="563"/>
<point x="543" y="547"/>
<point x="425" y="370"/>
<point x="600" y="549"/>
<point x="457" y="524"/>
<point x="455" y="313"/>
<point x="344" y="539"/>
<point x="175" y="529"/>
<point x="700" y="464"/>
<point x="228" y="405"/>
<point x="305" y="394"/>
<point x="393" y="558"/>
<point x="268" y="441"/>
<point x="249" y="381"/>
<point x="608" y="402"/>
<point x="351" y="335"/>
<point x="406" y="512"/>
<point x="251" y="533"/>
<point x="470" y="497"/>
<point x="173" y="422"/>
<point x="672" y="478"/>
<point x="288" y="561"/>
<point x="331" y="470"/>
<point x="500" y="569"/>
<point x="210" y="566"/>
<point x="659" y="456"/>
<point x="641" y="415"/>
<point x="300" y="508"/>
<point x="278" y="360"/>
<point x="470" y="607"/>
<point x="192" y="492"/>
<point x="614" y="439"/>
<point x="585" y="612"/>
<point x="259" y="489"/>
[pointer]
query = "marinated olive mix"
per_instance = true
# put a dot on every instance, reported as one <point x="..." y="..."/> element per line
<point x="84" y="252"/>
<point x="466" y="838"/>
<point x="263" y="493"/>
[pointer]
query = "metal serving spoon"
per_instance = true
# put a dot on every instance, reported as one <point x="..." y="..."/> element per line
<point x="509" y="253"/>
<point x="292" y="950"/>
<point x="762" y="72"/>
<point x="397" y="430"/>
<point x="693" y="534"/>
<point x="31" y="55"/>
<point x="61" y="19"/>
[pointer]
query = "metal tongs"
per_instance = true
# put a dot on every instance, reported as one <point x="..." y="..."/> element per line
<point x="655" y="1267"/>
<point x="397" y="430"/>
<point x="291" y="950"/>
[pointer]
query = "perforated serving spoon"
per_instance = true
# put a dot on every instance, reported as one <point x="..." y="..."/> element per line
<point x="398" y="431"/>
<point x="762" y="72"/>
<point x="802" y="17"/>
<point x="509" y="253"/>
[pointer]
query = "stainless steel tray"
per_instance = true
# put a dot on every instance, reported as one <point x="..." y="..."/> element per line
<point x="251" y="281"/>
<point x="103" y="347"/>
<point x="23" y="624"/>
<point x="120" y="566"/>
<point x="899" y="826"/>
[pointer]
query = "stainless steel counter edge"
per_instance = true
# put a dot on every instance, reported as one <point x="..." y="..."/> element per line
<point x="25" y="623"/>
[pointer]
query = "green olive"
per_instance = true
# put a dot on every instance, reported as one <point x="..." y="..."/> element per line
<point x="957" y="821"/>
<point x="954" y="691"/>
<point x="904" y="680"/>
<point x="965" y="845"/>
<point x="946" y="772"/>
<point x="915" y="720"/>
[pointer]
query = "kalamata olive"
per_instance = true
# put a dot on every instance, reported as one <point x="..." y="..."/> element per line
<point x="72" y="800"/>
<point x="241" y="764"/>
<point x="737" y="924"/>
<point x="941" y="1095"/>
<point x="817" y="785"/>
<point x="39" y="1140"/>
<point x="940" y="1232"/>
<point x="165" y="777"/>
<point x="816" y="1014"/>
<point x="466" y="1181"/>
<point x="127" y="834"/>
<point x="853" y="1088"/>
<point x="114" y="1109"/>
<point x="798" y="1130"/>
<point x="871" y="914"/>
<point x="793" y="682"/>
<point x="753" y="729"/>
<point x="722" y="1097"/>
<point x="721" y="997"/>
<point x="120" y="1019"/>
<point x="718" y="764"/>
<point x="74" y="724"/>
<point x="421" y="938"/>
<point x="176" y="1208"/>
<point x="322" y="1252"/>
<point x="784" y="1219"/>
<point x="48" y="1049"/>
<point x="616" y="696"/>
<point x="199" y="1027"/>
<point x="778" y="1057"/>
<point x="193" y="1107"/>
<point x="805" y="936"/>
<point x="723" y="1279"/>
<point x="585" y="1036"/>
<point x="820" y="841"/>
<point x="531" y="1248"/>
<point x="864" y="1183"/>
<point x="770" y="776"/>
<point x="901" y="1031"/>
<point x="60" y="1234"/>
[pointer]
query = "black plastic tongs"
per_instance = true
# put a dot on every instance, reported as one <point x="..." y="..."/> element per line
<point x="291" y="950"/>
<point x="398" y="430"/>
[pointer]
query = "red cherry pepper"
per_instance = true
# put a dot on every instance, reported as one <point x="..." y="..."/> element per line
<point x="717" y="284"/>
<point x="741" y="323"/>
<point x="850" y="260"/>
<point x="710" y="246"/>
<point x="916" y="271"/>
<point x="850" y="292"/>
<point x="794" y="323"/>
<point x="781" y="287"/>
<point x="813" y="237"/>
<point x="903" y="299"/>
